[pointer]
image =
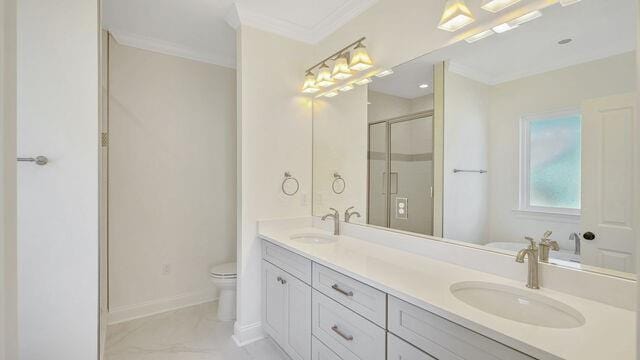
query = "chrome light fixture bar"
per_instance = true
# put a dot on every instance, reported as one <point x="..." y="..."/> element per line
<point x="344" y="67"/>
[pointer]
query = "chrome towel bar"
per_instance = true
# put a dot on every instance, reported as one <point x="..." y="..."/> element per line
<point x="455" y="171"/>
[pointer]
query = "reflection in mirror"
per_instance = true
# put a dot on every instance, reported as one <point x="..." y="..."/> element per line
<point x="526" y="132"/>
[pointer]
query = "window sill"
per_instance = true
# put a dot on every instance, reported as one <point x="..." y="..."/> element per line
<point x="547" y="216"/>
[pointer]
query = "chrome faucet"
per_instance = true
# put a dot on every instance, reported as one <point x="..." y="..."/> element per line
<point x="576" y="238"/>
<point x="348" y="214"/>
<point x="532" y="256"/>
<point x="547" y="244"/>
<point x="336" y="220"/>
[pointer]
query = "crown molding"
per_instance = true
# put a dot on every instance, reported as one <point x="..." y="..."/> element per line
<point x="169" y="48"/>
<point x="241" y="15"/>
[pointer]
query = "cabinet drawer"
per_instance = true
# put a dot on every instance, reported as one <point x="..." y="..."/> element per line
<point x="348" y="334"/>
<point x="398" y="349"/>
<point x="363" y="299"/>
<point x="321" y="352"/>
<point x="292" y="263"/>
<point x="442" y="338"/>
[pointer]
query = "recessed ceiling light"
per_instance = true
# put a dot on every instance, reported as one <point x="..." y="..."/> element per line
<point x="564" y="41"/>
<point x="479" y="36"/>
<point x="423" y="86"/>
<point x="497" y="5"/>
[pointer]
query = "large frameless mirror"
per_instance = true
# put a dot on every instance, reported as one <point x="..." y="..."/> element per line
<point x="523" y="133"/>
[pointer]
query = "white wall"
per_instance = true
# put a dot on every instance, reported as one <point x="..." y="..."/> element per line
<point x="172" y="179"/>
<point x="274" y="136"/>
<point x="551" y="91"/>
<point x="340" y="145"/>
<point x="58" y="92"/>
<point x="8" y="268"/>
<point x="466" y="146"/>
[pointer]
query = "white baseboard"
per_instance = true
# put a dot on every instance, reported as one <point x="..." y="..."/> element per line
<point x="129" y="312"/>
<point x="245" y="335"/>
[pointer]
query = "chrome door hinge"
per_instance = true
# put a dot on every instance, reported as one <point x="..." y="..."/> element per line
<point x="105" y="139"/>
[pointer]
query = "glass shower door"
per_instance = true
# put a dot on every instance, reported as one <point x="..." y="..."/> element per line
<point x="410" y="204"/>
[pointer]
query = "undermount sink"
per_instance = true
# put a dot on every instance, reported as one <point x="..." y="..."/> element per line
<point x="314" y="238"/>
<point x="517" y="304"/>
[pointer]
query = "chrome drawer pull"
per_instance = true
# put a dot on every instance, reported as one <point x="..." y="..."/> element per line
<point x="343" y="292"/>
<point x="343" y="335"/>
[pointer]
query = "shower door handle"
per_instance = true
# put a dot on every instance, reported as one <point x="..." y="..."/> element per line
<point x="39" y="160"/>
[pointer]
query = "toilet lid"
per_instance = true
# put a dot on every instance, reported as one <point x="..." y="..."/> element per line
<point x="224" y="270"/>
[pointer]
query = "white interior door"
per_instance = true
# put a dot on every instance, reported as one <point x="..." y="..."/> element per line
<point x="57" y="203"/>
<point x="608" y="182"/>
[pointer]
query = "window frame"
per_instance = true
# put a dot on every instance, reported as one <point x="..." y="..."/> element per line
<point x="524" y="204"/>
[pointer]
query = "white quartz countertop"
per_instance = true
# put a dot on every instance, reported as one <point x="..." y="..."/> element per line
<point x="608" y="333"/>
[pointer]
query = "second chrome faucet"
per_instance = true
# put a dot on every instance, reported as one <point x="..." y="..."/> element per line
<point x="335" y="215"/>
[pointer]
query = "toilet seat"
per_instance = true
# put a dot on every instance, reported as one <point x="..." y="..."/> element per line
<point x="224" y="271"/>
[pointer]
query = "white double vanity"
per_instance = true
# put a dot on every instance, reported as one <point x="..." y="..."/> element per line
<point x="354" y="297"/>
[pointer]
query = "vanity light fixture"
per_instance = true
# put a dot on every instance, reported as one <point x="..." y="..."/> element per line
<point x="479" y="36"/>
<point x="324" y="76"/>
<point x="495" y="6"/>
<point x="347" y="88"/>
<point x="423" y="86"/>
<point x="360" y="59"/>
<point x="384" y="73"/>
<point x="502" y="28"/>
<point x="569" y="2"/>
<point x="310" y="86"/>
<point x="364" y="81"/>
<point x="455" y="16"/>
<point x="341" y="69"/>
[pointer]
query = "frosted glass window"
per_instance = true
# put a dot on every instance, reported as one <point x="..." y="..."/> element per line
<point x="554" y="162"/>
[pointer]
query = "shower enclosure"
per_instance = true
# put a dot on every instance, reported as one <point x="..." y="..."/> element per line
<point x="401" y="173"/>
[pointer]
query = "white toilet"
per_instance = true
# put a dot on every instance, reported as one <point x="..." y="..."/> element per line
<point x="224" y="277"/>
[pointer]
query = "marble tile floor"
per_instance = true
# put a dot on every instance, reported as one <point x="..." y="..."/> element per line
<point x="191" y="333"/>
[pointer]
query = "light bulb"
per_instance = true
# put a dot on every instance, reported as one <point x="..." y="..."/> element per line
<point x="341" y="69"/>
<point x="310" y="86"/>
<point x="360" y="59"/>
<point x="324" y="76"/>
<point x="455" y="16"/>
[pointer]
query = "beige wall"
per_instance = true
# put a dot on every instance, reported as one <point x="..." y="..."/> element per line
<point x="466" y="146"/>
<point x="172" y="179"/>
<point x="8" y="268"/>
<point x="274" y="136"/>
<point x="556" y="90"/>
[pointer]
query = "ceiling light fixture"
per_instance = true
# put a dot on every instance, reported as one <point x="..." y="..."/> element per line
<point x="495" y="6"/>
<point x="502" y="28"/>
<point x="310" y="86"/>
<point x="324" y="76"/>
<point x="423" y="86"/>
<point x="479" y="36"/>
<point x="360" y="59"/>
<point x="364" y="81"/>
<point x="455" y="16"/>
<point x="341" y="69"/>
<point x="569" y="2"/>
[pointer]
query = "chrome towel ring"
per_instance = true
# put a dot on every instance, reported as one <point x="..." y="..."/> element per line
<point x="338" y="184"/>
<point x="289" y="179"/>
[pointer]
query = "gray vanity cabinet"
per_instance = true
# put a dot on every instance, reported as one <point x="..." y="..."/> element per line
<point x="286" y="311"/>
<point x="317" y="313"/>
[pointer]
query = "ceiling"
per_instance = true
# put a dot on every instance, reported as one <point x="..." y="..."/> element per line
<point x="203" y="30"/>
<point x="599" y="29"/>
